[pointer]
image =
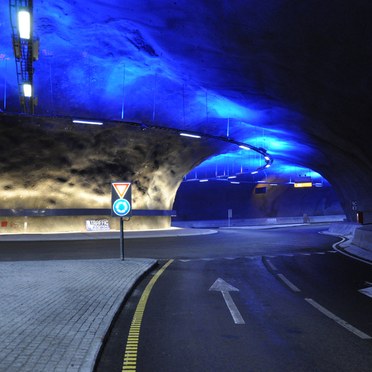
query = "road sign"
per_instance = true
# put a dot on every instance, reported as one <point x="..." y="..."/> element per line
<point x="121" y="199"/>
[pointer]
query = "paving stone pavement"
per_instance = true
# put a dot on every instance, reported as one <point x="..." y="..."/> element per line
<point x="54" y="314"/>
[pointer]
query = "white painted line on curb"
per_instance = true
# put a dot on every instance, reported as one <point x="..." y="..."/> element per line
<point x="338" y="320"/>
<point x="272" y="266"/>
<point x="289" y="283"/>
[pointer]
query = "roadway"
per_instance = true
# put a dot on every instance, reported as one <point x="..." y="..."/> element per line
<point x="240" y="300"/>
<point x="237" y="242"/>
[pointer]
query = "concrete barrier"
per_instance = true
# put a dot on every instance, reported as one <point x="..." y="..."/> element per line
<point x="359" y="237"/>
<point x="258" y="221"/>
<point x="363" y="238"/>
<point x="345" y="229"/>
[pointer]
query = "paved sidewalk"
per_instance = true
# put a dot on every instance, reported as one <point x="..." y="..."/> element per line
<point x="54" y="314"/>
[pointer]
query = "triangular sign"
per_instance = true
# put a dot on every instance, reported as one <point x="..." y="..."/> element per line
<point x="121" y="188"/>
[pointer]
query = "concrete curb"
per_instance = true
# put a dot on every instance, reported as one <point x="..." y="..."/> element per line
<point x="175" y="232"/>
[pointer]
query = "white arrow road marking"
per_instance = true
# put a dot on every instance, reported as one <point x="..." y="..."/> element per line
<point x="367" y="291"/>
<point x="221" y="286"/>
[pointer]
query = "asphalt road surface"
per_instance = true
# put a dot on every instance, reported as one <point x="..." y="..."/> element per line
<point x="240" y="300"/>
<point x="234" y="242"/>
<point x="287" y="302"/>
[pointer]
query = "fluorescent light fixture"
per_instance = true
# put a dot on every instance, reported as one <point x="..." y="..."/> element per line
<point x="87" y="122"/>
<point x="24" y="24"/>
<point x="254" y="172"/>
<point x="267" y="158"/>
<point x="244" y="147"/>
<point x="190" y="135"/>
<point x="303" y="184"/>
<point x="27" y="90"/>
<point x="203" y="180"/>
<point x="235" y="183"/>
<point x="267" y="165"/>
<point x="231" y="177"/>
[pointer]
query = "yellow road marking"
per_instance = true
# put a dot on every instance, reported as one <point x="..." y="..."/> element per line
<point x="130" y="355"/>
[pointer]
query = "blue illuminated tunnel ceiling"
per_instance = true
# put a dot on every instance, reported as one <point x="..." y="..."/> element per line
<point x="258" y="72"/>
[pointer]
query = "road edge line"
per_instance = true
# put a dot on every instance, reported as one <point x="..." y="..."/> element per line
<point x="131" y="349"/>
<point x="338" y="320"/>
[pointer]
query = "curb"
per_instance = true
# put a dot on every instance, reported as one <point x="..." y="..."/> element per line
<point x="97" y="355"/>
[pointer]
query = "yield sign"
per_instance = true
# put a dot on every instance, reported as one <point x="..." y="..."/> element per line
<point x="121" y="188"/>
<point x="121" y="199"/>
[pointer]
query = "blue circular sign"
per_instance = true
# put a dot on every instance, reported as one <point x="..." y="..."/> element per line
<point x="121" y="207"/>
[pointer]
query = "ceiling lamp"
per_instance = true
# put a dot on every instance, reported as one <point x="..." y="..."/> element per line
<point x="24" y="24"/>
<point x="190" y="135"/>
<point x="27" y="90"/>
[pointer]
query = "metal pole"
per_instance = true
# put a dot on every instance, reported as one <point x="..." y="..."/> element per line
<point x="123" y="97"/>
<point x="5" y="76"/>
<point x="154" y="99"/>
<point x="122" y="238"/>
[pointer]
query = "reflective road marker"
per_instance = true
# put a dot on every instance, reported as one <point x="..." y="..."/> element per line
<point x="130" y="355"/>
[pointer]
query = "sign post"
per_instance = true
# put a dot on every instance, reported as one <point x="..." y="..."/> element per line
<point x="121" y="206"/>
<point x="229" y="217"/>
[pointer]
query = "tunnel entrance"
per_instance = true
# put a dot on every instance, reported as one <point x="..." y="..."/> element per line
<point x="301" y="196"/>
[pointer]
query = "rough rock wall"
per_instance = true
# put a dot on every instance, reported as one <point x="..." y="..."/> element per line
<point x="51" y="163"/>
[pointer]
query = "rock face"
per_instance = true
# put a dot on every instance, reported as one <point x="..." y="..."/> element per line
<point x="51" y="163"/>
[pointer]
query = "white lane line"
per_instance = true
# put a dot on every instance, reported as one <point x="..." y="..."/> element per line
<point x="271" y="265"/>
<point x="289" y="283"/>
<point x="338" y="320"/>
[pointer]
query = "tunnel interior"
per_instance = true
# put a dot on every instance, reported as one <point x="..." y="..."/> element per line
<point x="291" y="78"/>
